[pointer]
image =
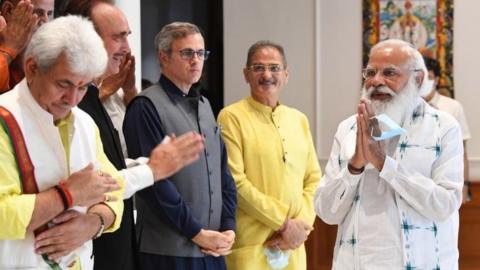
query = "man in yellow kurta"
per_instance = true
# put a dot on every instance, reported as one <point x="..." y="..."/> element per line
<point x="273" y="161"/>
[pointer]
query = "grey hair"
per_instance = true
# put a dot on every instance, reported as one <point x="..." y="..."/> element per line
<point x="172" y="32"/>
<point x="76" y="38"/>
<point x="262" y="44"/>
<point x="415" y="61"/>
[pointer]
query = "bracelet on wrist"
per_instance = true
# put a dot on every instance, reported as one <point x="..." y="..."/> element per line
<point x="102" y="225"/>
<point x="67" y="192"/>
<point x="354" y="170"/>
<point x="63" y="197"/>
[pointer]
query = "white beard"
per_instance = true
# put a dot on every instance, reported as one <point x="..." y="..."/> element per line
<point x="397" y="107"/>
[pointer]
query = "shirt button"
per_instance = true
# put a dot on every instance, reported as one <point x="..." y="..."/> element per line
<point x="209" y="172"/>
<point x="207" y="154"/>
<point x="211" y="211"/>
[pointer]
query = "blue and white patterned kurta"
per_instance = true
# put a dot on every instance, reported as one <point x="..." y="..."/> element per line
<point x="406" y="216"/>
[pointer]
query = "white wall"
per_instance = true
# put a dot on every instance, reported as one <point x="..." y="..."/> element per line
<point x="327" y="91"/>
<point x="340" y="67"/>
<point x="466" y="79"/>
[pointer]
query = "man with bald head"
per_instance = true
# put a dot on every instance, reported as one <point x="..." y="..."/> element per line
<point x="112" y="26"/>
<point x="395" y="198"/>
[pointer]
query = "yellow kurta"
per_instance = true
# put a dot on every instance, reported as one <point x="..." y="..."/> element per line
<point x="16" y="208"/>
<point x="275" y="167"/>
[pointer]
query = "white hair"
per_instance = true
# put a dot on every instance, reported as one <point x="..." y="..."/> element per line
<point x="76" y="38"/>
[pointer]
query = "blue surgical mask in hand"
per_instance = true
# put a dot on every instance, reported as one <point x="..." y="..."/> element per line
<point x="393" y="129"/>
<point x="277" y="258"/>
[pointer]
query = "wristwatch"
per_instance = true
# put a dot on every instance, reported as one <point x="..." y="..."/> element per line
<point x="354" y="170"/>
<point x="102" y="225"/>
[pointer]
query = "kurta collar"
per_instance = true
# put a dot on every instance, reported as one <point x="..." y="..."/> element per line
<point x="173" y="91"/>
<point x="262" y="107"/>
<point x="40" y="112"/>
<point x="67" y="120"/>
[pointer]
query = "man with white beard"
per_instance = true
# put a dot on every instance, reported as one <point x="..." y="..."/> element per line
<point x="395" y="201"/>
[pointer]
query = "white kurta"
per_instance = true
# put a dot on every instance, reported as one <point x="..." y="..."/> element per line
<point x="453" y="107"/>
<point x="406" y="216"/>
<point x="45" y="148"/>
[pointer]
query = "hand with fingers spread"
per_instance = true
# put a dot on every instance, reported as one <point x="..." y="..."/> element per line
<point x="89" y="187"/>
<point x="20" y="27"/>
<point x="170" y="156"/>
<point x="71" y="230"/>
<point x="111" y="84"/>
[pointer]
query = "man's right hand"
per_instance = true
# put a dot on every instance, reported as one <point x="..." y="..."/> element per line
<point x="358" y="159"/>
<point x="20" y="26"/>
<point x="169" y="157"/>
<point x="295" y="233"/>
<point x="88" y="186"/>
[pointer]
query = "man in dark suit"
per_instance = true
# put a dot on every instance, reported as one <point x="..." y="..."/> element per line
<point x="191" y="215"/>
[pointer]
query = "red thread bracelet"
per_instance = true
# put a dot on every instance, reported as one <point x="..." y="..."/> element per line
<point x="67" y="192"/>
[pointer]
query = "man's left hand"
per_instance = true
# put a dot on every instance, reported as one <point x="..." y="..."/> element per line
<point x="72" y="229"/>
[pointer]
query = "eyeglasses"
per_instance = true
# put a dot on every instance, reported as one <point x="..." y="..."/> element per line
<point x="259" y="68"/>
<point x="188" y="54"/>
<point x="388" y="73"/>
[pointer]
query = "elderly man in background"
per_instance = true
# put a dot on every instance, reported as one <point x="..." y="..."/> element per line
<point x="191" y="215"/>
<point x="274" y="164"/>
<point x="52" y="200"/>
<point x="116" y="88"/>
<point x="167" y="157"/>
<point x="396" y="200"/>
<point x="23" y="18"/>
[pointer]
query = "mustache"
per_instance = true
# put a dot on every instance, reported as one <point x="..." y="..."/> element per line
<point x="268" y="81"/>
<point x="380" y="90"/>
<point x="65" y="106"/>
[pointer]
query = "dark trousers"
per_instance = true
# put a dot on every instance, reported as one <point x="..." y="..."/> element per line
<point x="159" y="262"/>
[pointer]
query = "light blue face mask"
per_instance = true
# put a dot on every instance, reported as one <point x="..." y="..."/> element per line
<point x="277" y="258"/>
<point x="393" y="128"/>
<point x="426" y="88"/>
